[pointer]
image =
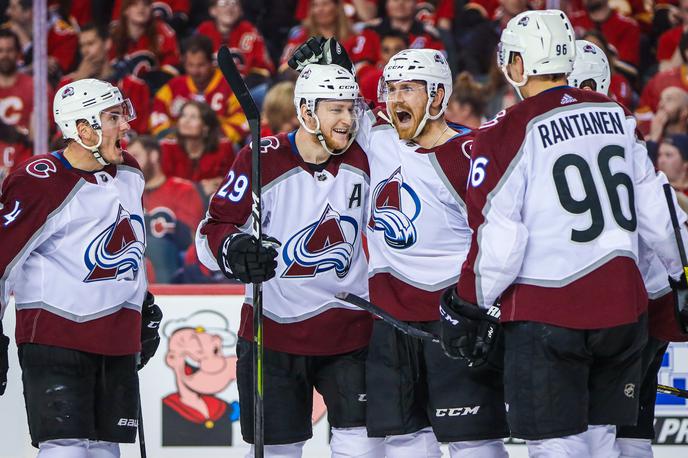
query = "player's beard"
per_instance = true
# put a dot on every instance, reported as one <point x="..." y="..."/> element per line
<point x="335" y="146"/>
<point x="8" y="67"/>
<point x="407" y="128"/>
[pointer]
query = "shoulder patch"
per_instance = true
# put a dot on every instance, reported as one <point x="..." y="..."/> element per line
<point x="41" y="168"/>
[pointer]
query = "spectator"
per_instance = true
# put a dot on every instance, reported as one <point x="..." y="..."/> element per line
<point x="79" y="10"/>
<point x="16" y="105"/>
<point x="391" y="42"/>
<point x="356" y="10"/>
<point x="649" y="99"/>
<point x="278" y="110"/>
<point x="672" y="159"/>
<point x="62" y="38"/>
<point x="202" y="81"/>
<point x="229" y="28"/>
<point x="173" y="12"/>
<point x="197" y="152"/>
<point x="668" y="53"/>
<point x="143" y="43"/>
<point x="94" y="45"/>
<point x="326" y="18"/>
<point x="620" y="32"/>
<point x="619" y="88"/>
<point x="173" y="208"/>
<point x="468" y="102"/>
<point x="400" y="17"/>
<point x="671" y="115"/>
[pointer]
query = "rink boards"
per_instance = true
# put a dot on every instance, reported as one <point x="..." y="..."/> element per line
<point x="206" y="308"/>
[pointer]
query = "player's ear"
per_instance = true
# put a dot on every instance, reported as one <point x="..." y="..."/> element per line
<point x="307" y="116"/>
<point x="439" y="97"/>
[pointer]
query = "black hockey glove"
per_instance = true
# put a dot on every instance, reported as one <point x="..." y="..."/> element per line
<point x="4" y="362"/>
<point x="467" y="331"/>
<point x="680" y="287"/>
<point x="241" y="257"/>
<point x="317" y="50"/>
<point x="151" y="316"/>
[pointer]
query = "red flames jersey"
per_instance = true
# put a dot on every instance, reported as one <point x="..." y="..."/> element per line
<point x="170" y="98"/>
<point x="620" y="31"/>
<point x="142" y="59"/>
<point x="73" y="245"/>
<point x="176" y="163"/>
<point x="16" y="102"/>
<point x="318" y="216"/>
<point x="246" y="44"/>
<point x="11" y="156"/>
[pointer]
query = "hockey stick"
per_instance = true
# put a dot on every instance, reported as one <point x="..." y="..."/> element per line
<point x="424" y="335"/>
<point x="386" y="317"/>
<point x="142" y="438"/>
<point x="226" y="63"/>
<point x="668" y="193"/>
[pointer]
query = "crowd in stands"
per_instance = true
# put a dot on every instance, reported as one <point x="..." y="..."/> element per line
<point x="189" y="125"/>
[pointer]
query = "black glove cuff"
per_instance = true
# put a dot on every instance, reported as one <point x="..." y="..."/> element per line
<point x="454" y="305"/>
<point x="679" y="284"/>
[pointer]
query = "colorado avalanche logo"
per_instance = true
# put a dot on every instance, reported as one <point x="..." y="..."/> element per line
<point x="116" y="253"/>
<point x="395" y="207"/>
<point x="589" y="49"/>
<point x="322" y="246"/>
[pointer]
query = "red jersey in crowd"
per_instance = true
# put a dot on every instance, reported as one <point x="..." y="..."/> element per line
<point x="137" y="91"/>
<point x="212" y="164"/>
<point x="218" y="95"/>
<point x="366" y="47"/>
<point x="668" y="43"/>
<point x="620" y="31"/>
<point x="16" y="102"/>
<point x="620" y="90"/>
<point x="246" y="44"/>
<point x="303" y="6"/>
<point x="649" y="99"/>
<point x="142" y="59"/>
<point x="80" y="10"/>
<point x="12" y="153"/>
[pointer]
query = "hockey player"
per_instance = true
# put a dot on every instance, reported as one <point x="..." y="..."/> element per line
<point x="73" y="241"/>
<point x="418" y="237"/>
<point x="560" y="195"/>
<point x="315" y="185"/>
<point x="591" y="71"/>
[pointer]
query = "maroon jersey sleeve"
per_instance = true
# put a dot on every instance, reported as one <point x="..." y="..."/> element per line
<point x="230" y="207"/>
<point x="28" y="198"/>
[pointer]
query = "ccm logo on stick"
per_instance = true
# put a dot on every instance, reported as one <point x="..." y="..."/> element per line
<point x="457" y="411"/>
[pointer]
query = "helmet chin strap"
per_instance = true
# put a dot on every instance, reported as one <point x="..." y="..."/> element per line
<point x="514" y="84"/>
<point x="95" y="149"/>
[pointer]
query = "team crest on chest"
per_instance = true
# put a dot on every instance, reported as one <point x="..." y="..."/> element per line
<point x="325" y="245"/>
<point x="395" y="207"/>
<point x="117" y="252"/>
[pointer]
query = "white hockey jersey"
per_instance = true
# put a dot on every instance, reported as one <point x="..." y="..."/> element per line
<point x="73" y="246"/>
<point x="560" y="193"/>
<point x="418" y="235"/>
<point x="318" y="217"/>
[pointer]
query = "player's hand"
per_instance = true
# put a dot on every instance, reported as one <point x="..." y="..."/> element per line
<point x="151" y="316"/>
<point x="317" y="50"/>
<point x="4" y="360"/>
<point x="680" y="287"/>
<point x="467" y="331"/>
<point x="243" y="258"/>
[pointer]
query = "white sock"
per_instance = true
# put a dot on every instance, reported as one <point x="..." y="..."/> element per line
<point x="573" y="446"/>
<point x="421" y="444"/>
<point x="635" y="448"/>
<point x="63" y="448"/>
<point x="281" y="451"/>
<point x="103" y="449"/>
<point x="602" y="441"/>
<point x="493" y="448"/>
<point x="355" y="443"/>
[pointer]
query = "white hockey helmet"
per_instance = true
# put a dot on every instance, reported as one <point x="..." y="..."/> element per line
<point x="545" y="41"/>
<point x="326" y="82"/>
<point x="428" y="65"/>
<point x="87" y="99"/>
<point x="591" y="64"/>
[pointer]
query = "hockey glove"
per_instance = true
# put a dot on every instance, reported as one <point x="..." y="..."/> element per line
<point x="4" y="362"/>
<point x="317" y="50"/>
<point x="681" y="289"/>
<point x="467" y="331"/>
<point x="151" y="316"/>
<point x="241" y="257"/>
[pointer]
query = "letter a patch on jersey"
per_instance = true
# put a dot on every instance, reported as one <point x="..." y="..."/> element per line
<point x="322" y="246"/>
<point x="395" y="207"/>
<point x="117" y="252"/>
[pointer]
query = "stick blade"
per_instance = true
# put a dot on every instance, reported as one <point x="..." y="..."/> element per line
<point x="228" y="68"/>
